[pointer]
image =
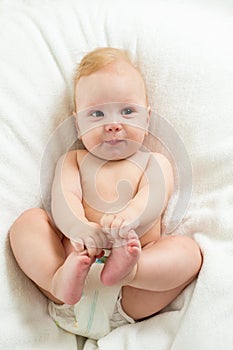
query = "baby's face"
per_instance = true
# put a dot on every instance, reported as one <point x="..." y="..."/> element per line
<point x="112" y="116"/>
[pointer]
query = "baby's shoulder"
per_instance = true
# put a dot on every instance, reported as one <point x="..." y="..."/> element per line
<point x="71" y="157"/>
<point x="80" y="154"/>
<point x="161" y="159"/>
<point x="164" y="164"/>
<point x="77" y="153"/>
<point x="167" y="170"/>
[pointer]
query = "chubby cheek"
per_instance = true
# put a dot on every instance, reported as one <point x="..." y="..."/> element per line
<point x="88" y="144"/>
<point x="91" y="140"/>
<point x="136" y="134"/>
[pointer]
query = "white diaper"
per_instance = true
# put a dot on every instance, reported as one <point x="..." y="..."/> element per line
<point x="119" y="317"/>
<point x="97" y="312"/>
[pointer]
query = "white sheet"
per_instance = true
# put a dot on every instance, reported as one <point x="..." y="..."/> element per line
<point x="185" y="50"/>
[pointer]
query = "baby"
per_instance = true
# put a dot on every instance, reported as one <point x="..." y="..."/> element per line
<point x="108" y="197"/>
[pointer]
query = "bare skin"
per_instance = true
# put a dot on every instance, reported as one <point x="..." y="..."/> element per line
<point x="151" y="270"/>
<point x="121" y="264"/>
<point x="68" y="281"/>
<point x="136" y="302"/>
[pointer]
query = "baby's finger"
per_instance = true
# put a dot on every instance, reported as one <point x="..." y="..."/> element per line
<point x="127" y="226"/>
<point x="106" y="241"/>
<point x="106" y="222"/>
<point x="101" y="239"/>
<point x="78" y="245"/>
<point x="115" y="226"/>
<point x="91" y="248"/>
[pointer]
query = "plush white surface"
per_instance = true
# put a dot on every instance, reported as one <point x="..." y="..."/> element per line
<point x="185" y="50"/>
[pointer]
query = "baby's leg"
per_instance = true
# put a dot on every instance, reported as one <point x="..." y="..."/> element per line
<point x="167" y="264"/>
<point x="121" y="265"/>
<point x="68" y="281"/>
<point x="40" y="253"/>
<point x="165" y="268"/>
<point x="141" y="303"/>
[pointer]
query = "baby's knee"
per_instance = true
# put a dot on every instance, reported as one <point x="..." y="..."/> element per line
<point x="189" y="252"/>
<point x="27" y="217"/>
<point x="194" y="252"/>
<point x="34" y="213"/>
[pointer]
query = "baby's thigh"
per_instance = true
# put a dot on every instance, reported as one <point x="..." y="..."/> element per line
<point x="151" y="236"/>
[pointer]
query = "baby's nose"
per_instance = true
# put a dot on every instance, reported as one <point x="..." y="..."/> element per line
<point x="113" y="127"/>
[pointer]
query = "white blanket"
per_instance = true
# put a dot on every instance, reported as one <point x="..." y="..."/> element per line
<point x="185" y="50"/>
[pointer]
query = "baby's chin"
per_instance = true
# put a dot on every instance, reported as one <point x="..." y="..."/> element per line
<point x="115" y="150"/>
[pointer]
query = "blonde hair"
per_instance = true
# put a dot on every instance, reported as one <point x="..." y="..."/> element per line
<point x="98" y="59"/>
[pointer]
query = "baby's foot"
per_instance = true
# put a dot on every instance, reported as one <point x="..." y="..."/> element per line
<point x="68" y="281"/>
<point x="121" y="264"/>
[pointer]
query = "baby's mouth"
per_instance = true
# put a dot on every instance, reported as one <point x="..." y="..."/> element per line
<point x="113" y="142"/>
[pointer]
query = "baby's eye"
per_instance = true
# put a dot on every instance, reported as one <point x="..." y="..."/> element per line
<point x="97" y="114"/>
<point x="127" y="111"/>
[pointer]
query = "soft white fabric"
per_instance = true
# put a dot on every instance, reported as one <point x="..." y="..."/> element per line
<point x="185" y="50"/>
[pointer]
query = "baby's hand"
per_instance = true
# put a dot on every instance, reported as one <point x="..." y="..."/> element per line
<point x="93" y="242"/>
<point x="119" y="224"/>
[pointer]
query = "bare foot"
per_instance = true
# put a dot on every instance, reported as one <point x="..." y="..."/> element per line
<point x="122" y="262"/>
<point x="69" y="279"/>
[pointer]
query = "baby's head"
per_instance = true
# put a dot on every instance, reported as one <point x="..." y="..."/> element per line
<point x="111" y="61"/>
<point x="110" y="103"/>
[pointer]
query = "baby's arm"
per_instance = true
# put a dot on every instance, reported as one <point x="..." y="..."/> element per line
<point x="155" y="189"/>
<point x="67" y="209"/>
<point x="154" y="192"/>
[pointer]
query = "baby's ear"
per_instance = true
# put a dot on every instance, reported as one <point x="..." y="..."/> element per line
<point x="148" y="119"/>
<point x="149" y="110"/>
<point x="75" y="119"/>
<point x="76" y="124"/>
